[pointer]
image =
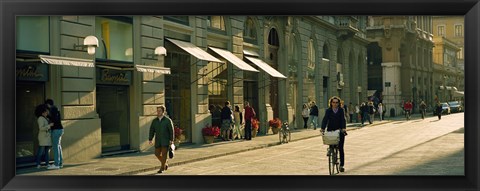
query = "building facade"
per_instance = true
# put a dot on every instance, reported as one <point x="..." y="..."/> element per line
<point x="449" y="58"/>
<point x="400" y="60"/>
<point x="108" y="99"/>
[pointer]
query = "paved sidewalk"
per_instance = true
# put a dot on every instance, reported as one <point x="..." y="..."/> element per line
<point x="134" y="163"/>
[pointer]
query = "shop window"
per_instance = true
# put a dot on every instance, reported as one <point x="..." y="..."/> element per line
<point x="115" y="35"/>
<point x="33" y="34"/>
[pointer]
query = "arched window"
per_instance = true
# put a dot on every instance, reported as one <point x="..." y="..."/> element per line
<point x="325" y="51"/>
<point x="273" y="38"/>
<point x="249" y="30"/>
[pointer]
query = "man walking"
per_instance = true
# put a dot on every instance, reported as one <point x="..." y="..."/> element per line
<point x="57" y="132"/>
<point x="162" y="129"/>
<point x="249" y="114"/>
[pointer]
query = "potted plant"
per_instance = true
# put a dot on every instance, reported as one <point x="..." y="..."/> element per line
<point x="275" y="125"/>
<point x="179" y="137"/>
<point x="210" y="132"/>
<point x="255" y="126"/>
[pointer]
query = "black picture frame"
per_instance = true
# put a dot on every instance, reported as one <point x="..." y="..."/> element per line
<point x="9" y="9"/>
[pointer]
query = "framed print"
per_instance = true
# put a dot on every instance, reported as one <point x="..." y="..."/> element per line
<point x="113" y="71"/>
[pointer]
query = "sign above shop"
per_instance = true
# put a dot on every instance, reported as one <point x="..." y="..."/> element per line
<point x="31" y="72"/>
<point x="113" y="77"/>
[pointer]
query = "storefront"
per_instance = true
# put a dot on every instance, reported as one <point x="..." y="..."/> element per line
<point x="112" y="99"/>
<point x="30" y="92"/>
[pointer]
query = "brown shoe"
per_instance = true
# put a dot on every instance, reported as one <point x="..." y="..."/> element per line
<point x="160" y="171"/>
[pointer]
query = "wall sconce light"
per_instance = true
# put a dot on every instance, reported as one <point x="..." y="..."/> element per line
<point x="91" y="42"/>
<point x="158" y="52"/>
<point x="129" y="52"/>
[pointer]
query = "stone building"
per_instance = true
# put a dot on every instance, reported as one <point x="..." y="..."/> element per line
<point x="400" y="59"/>
<point x="109" y="98"/>
<point x="448" y="55"/>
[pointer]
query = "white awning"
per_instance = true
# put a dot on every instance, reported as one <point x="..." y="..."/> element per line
<point x="66" y="61"/>
<point x="460" y="93"/>
<point x="265" y="67"/>
<point x="153" y="69"/>
<point x="194" y="50"/>
<point x="250" y="53"/>
<point x="233" y="59"/>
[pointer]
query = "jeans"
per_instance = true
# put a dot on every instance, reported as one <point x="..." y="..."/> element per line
<point x="314" y="121"/>
<point x="43" y="151"/>
<point x="57" y="146"/>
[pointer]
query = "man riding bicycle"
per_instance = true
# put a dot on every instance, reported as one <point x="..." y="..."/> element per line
<point x="408" y="109"/>
<point x="334" y="118"/>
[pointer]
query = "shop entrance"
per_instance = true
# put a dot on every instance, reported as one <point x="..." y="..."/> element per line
<point x="112" y="108"/>
<point x="28" y="96"/>
<point x="177" y="90"/>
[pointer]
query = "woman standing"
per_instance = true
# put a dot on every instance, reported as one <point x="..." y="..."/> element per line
<point x="305" y="114"/>
<point x="334" y="119"/>
<point x="238" y="119"/>
<point x="380" y="110"/>
<point x="44" y="137"/>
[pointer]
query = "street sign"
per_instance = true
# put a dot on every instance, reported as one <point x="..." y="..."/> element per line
<point x="387" y="84"/>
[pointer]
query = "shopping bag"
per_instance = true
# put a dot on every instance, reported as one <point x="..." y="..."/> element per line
<point x="171" y="151"/>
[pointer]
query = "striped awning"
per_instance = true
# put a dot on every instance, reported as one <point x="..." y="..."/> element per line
<point x="233" y="59"/>
<point x="66" y="61"/>
<point x="265" y="67"/>
<point x="153" y="69"/>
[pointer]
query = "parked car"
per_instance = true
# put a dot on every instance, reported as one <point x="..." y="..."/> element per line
<point x="445" y="109"/>
<point x="455" y="106"/>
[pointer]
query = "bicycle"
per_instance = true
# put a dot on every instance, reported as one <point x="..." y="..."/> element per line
<point x="407" y="114"/>
<point x="332" y="140"/>
<point x="284" y="135"/>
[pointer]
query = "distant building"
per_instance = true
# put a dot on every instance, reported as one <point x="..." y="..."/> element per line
<point x="400" y="59"/>
<point x="448" y="57"/>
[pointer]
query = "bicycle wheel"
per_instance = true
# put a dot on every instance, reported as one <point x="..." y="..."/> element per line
<point x="330" y="161"/>
<point x="337" y="158"/>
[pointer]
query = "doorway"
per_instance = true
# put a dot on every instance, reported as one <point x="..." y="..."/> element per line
<point x="113" y="110"/>
<point x="28" y="96"/>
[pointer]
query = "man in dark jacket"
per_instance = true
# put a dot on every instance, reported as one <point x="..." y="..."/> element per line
<point x="334" y="119"/>
<point x="314" y="115"/>
<point x="57" y="132"/>
<point x="162" y="129"/>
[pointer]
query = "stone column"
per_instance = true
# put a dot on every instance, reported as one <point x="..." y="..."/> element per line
<point x="391" y="67"/>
